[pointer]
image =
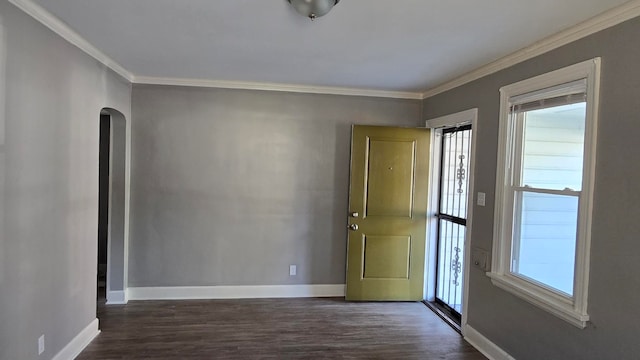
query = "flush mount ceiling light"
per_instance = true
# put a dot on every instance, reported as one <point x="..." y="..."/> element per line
<point x="313" y="8"/>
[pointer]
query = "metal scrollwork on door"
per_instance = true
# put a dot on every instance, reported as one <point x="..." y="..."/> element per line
<point x="461" y="174"/>
<point x="456" y="267"/>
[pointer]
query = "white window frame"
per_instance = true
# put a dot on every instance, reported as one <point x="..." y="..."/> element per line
<point x="572" y="309"/>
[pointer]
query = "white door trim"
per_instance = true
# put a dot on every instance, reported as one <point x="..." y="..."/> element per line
<point x="461" y="118"/>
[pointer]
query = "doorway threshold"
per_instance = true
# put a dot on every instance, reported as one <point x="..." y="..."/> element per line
<point x="443" y="314"/>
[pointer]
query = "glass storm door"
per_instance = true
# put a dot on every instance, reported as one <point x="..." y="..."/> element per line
<point x="452" y="218"/>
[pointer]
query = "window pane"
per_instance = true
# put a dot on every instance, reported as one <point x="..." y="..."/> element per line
<point x="456" y="154"/>
<point x="554" y="147"/>
<point x="545" y="239"/>
<point x="450" y="262"/>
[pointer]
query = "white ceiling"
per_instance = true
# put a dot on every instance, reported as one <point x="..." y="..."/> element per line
<point x="393" y="45"/>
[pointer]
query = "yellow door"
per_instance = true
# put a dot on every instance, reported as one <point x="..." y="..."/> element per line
<point x="387" y="213"/>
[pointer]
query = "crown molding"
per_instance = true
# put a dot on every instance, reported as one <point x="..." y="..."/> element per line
<point x="245" y="85"/>
<point x="600" y="22"/>
<point x="615" y="16"/>
<point x="57" y="26"/>
<point x="63" y="30"/>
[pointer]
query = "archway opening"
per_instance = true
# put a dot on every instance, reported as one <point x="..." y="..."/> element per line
<point x="111" y="273"/>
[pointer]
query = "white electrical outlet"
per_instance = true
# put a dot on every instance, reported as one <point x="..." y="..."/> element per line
<point x="293" y="270"/>
<point x="40" y="345"/>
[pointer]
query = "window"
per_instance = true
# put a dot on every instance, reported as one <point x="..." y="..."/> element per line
<point x="544" y="189"/>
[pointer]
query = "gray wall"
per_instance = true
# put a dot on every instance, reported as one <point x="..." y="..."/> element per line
<point x="523" y="330"/>
<point x="50" y="99"/>
<point x="117" y="198"/>
<point x="229" y="187"/>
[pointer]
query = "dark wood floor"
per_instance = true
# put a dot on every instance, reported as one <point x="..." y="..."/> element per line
<point x="274" y="329"/>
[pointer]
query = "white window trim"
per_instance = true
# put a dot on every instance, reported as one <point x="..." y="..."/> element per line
<point x="574" y="309"/>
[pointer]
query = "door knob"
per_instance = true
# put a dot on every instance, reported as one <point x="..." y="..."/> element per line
<point x="353" y="227"/>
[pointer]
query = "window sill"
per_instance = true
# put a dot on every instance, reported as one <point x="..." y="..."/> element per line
<point x="541" y="297"/>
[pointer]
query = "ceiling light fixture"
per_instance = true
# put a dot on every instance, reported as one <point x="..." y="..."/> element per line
<point x="313" y="8"/>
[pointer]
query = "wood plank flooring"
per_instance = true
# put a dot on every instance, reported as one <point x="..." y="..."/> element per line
<point x="274" y="329"/>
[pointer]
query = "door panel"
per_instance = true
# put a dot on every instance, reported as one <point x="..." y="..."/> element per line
<point x="386" y="257"/>
<point x="390" y="178"/>
<point x="387" y="204"/>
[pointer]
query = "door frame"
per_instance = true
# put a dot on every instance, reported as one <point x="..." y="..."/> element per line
<point x="118" y="245"/>
<point x="457" y="119"/>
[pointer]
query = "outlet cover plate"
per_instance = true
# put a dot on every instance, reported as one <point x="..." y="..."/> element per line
<point x="480" y="259"/>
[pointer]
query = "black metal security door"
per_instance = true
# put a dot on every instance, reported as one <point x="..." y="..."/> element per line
<point x="452" y="218"/>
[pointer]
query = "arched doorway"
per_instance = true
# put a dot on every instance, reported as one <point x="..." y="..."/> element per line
<point x="112" y="209"/>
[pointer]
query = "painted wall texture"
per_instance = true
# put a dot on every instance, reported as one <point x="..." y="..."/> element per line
<point x="51" y="94"/>
<point x="229" y="187"/>
<point x="521" y="329"/>
<point x="116" y="277"/>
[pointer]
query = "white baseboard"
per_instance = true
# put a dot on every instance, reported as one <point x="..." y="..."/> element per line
<point x="118" y="297"/>
<point x="484" y="345"/>
<point x="235" y="292"/>
<point x="75" y="346"/>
